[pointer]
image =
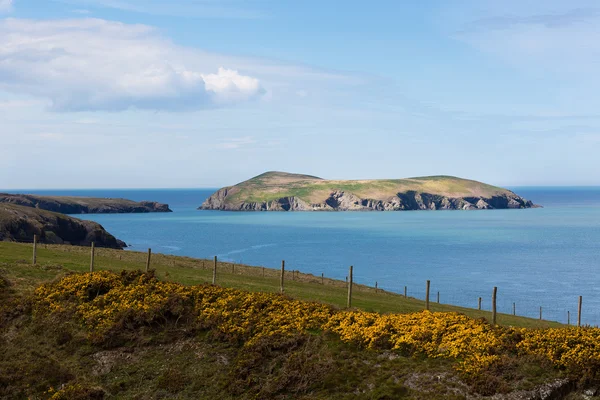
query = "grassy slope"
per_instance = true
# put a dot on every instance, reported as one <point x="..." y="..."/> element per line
<point x="173" y="363"/>
<point x="274" y="185"/>
<point x="55" y="260"/>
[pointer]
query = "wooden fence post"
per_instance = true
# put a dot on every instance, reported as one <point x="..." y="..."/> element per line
<point x="427" y="295"/>
<point x="540" y="313"/>
<point x="214" y="280"/>
<point x="92" y="258"/>
<point x="494" y="305"/>
<point x="34" y="249"/>
<point x="148" y="260"/>
<point x="375" y="286"/>
<point x="282" y="276"/>
<point x="350" y="288"/>
<point x="568" y="318"/>
<point x="479" y="304"/>
<point x="514" y="308"/>
<point x="438" y="297"/>
<point x="405" y="291"/>
<point x="322" y="278"/>
<point x="579" y="312"/>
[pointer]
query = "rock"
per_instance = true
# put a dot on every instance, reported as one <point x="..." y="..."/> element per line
<point x="19" y="223"/>
<point x="83" y="205"/>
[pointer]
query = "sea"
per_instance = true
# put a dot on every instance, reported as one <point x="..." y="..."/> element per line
<point x="544" y="257"/>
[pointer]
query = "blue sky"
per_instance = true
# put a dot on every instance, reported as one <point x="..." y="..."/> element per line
<point x="206" y="93"/>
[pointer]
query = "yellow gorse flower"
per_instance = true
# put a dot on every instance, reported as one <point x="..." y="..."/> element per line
<point x="104" y="302"/>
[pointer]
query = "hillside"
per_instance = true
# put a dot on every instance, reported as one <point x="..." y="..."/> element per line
<point x="83" y="205"/>
<point x="281" y="191"/>
<point x="19" y="223"/>
<point x="105" y="335"/>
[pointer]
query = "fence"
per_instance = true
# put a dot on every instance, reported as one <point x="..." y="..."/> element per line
<point x="294" y="275"/>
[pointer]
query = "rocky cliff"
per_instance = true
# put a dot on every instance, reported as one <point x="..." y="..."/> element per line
<point x="83" y="205"/>
<point x="20" y="223"/>
<point x="277" y="191"/>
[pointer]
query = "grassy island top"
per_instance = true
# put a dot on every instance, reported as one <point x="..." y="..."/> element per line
<point x="274" y="185"/>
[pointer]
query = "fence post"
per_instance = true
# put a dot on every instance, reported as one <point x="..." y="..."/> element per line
<point x="214" y="281"/>
<point x="540" y="313"/>
<point x="92" y="258"/>
<point x="148" y="260"/>
<point x="494" y="305"/>
<point x="322" y="278"/>
<point x="282" y="276"/>
<point x="375" y="286"/>
<point x="579" y="312"/>
<point x="34" y="249"/>
<point x="427" y="295"/>
<point x="514" y="308"/>
<point x="438" y="297"/>
<point x="405" y="290"/>
<point x="350" y="288"/>
<point x="568" y="318"/>
<point x="479" y="304"/>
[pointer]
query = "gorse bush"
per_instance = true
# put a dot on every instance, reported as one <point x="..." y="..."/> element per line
<point x="108" y="305"/>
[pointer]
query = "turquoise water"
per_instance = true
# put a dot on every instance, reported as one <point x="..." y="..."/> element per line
<point x="539" y="257"/>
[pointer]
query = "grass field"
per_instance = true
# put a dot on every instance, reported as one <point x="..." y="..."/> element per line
<point x="53" y="355"/>
<point x="274" y="185"/>
<point x="56" y="260"/>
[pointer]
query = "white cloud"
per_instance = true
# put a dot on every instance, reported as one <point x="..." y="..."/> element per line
<point x="6" y="5"/>
<point x="563" y="42"/>
<point x="93" y="64"/>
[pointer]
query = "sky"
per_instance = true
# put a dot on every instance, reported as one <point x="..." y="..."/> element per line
<point x="208" y="93"/>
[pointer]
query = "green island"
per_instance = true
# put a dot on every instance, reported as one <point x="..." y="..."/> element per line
<point x="121" y="333"/>
<point x="282" y="191"/>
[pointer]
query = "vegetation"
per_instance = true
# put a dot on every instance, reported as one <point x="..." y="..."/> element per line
<point x="272" y="186"/>
<point x="134" y="335"/>
<point x="21" y="223"/>
<point x="82" y="205"/>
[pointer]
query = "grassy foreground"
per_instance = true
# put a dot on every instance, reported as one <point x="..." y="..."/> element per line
<point x="55" y="260"/>
<point x="125" y="335"/>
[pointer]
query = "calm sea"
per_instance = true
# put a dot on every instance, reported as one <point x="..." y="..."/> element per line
<point x="539" y="257"/>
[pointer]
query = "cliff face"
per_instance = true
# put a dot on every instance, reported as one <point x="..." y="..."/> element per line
<point x="83" y="205"/>
<point x="19" y="223"/>
<point x="314" y="194"/>
<point x="342" y="201"/>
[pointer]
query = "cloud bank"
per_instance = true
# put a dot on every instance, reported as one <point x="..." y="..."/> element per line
<point x="92" y="64"/>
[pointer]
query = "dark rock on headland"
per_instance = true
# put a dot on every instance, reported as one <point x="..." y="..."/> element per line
<point x="20" y="224"/>
<point x="83" y="205"/>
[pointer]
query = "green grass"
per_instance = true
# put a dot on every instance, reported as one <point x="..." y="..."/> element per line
<point x="55" y="260"/>
<point x="275" y="185"/>
<point x="180" y="361"/>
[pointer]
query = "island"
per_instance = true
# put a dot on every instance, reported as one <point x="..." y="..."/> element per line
<point x="282" y="191"/>
<point x="83" y="205"/>
<point x="21" y="223"/>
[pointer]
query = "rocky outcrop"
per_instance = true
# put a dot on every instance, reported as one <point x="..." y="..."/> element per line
<point x="20" y="224"/>
<point x="344" y="201"/>
<point x="83" y="205"/>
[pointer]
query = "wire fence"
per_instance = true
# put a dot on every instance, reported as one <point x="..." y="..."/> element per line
<point x="473" y="298"/>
